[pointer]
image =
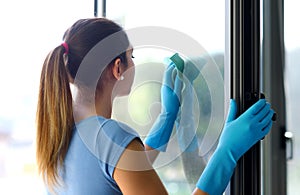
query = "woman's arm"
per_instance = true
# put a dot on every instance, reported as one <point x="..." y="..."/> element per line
<point x="134" y="173"/>
<point x="151" y="153"/>
<point x="197" y="191"/>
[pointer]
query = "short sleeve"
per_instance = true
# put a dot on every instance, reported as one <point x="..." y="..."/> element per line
<point x="106" y="139"/>
<point x="113" y="139"/>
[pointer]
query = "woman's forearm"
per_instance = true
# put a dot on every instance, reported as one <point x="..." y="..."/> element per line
<point x="151" y="153"/>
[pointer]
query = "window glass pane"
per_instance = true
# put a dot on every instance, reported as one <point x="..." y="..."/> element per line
<point x="29" y="30"/>
<point x="201" y="22"/>
<point x="292" y="87"/>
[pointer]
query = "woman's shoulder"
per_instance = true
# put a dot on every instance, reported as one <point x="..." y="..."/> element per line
<point x="114" y="126"/>
<point x="98" y="126"/>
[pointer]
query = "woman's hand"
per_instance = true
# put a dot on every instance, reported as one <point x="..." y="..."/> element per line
<point x="238" y="136"/>
<point x="161" y="130"/>
<point x="170" y="91"/>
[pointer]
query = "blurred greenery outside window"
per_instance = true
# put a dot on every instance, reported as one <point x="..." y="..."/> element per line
<point x="42" y="29"/>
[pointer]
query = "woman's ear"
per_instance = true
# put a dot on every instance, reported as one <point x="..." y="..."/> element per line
<point x="116" y="69"/>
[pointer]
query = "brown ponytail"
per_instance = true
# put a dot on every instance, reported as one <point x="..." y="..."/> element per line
<point x="54" y="117"/>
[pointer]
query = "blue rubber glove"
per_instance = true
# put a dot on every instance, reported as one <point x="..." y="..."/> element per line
<point x="160" y="132"/>
<point x="238" y="136"/>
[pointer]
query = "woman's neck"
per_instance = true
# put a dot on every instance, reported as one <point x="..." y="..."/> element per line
<point x="99" y="105"/>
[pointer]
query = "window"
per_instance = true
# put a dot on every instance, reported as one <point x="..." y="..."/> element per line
<point x="292" y="70"/>
<point x="203" y="22"/>
<point x="30" y="29"/>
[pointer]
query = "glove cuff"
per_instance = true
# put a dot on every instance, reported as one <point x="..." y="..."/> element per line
<point x="160" y="132"/>
<point x="217" y="173"/>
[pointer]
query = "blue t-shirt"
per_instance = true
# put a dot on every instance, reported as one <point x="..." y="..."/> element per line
<point x="94" y="151"/>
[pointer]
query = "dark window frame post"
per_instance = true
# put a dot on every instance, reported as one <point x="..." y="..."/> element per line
<point x="103" y="8"/>
<point x="245" y="85"/>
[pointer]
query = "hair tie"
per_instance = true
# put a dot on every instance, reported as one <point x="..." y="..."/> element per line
<point x="65" y="45"/>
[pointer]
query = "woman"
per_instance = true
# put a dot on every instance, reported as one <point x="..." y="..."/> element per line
<point x="81" y="150"/>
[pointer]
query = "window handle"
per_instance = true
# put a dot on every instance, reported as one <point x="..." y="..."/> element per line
<point x="289" y="139"/>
